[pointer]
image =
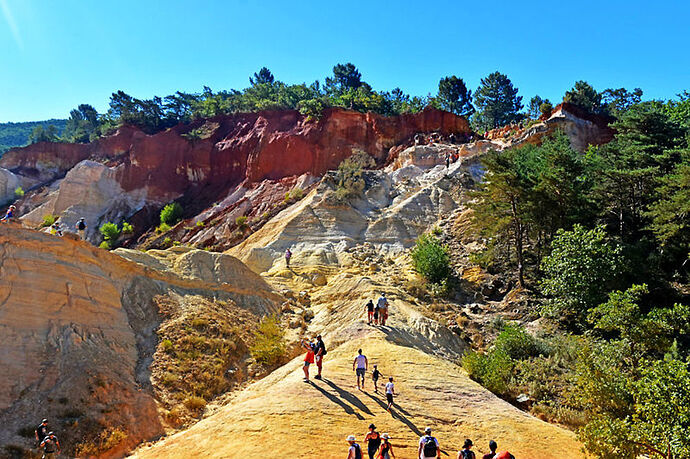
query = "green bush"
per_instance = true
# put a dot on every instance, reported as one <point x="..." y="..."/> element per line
<point x="162" y="228"/>
<point x="19" y="192"/>
<point x="492" y="369"/>
<point x="48" y="220"/>
<point x="349" y="176"/>
<point x="431" y="259"/>
<point x="241" y="222"/>
<point x="313" y="108"/>
<point x="171" y="213"/>
<point x="269" y="345"/>
<point x="519" y="344"/>
<point x="127" y="228"/>
<point x="110" y="232"/>
<point x="294" y="195"/>
<point x="104" y="245"/>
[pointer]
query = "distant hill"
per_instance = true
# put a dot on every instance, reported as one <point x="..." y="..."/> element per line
<point x="17" y="134"/>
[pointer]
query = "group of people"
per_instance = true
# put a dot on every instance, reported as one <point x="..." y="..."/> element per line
<point x="47" y="440"/>
<point x="316" y="349"/>
<point x="55" y="228"/>
<point x="379" y="447"/>
<point x="360" y="365"/>
<point x="377" y="313"/>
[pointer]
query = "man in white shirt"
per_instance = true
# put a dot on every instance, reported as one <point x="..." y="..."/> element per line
<point x="428" y="446"/>
<point x="354" y="451"/>
<point x="360" y="366"/>
<point x="390" y="392"/>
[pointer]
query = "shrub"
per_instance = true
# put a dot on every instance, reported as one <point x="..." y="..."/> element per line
<point x="349" y="178"/>
<point x="19" y="192"/>
<point x="200" y="224"/>
<point x="241" y="222"/>
<point x="171" y="213"/>
<point x="162" y="228"/>
<point x="104" y="245"/>
<point x="313" y="108"/>
<point x="519" y="344"/>
<point x="431" y="259"/>
<point x="269" y="344"/>
<point x="48" y="220"/>
<point x="194" y="403"/>
<point x="127" y="228"/>
<point x="294" y="195"/>
<point x="167" y="345"/>
<point x="110" y="232"/>
<point x="491" y="369"/>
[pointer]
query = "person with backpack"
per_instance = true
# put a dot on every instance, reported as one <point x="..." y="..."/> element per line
<point x="51" y="446"/>
<point x="466" y="452"/>
<point x="308" y="359"/>
<point x="375" y="375"/>
<point x="354" y="451"/>
<point x="81" y="228"/>
<point x="360" y="366"/>
<point x="386" y="449"/>
<point x="492" y="448"/>
<point x="41" y="431"/>
<point x="288" y="255"/>
<point x="370" y="311"/>
<point x="390" y="392"/>
<point x="428" y="446"/>
<point x="373" y="441"/>
<point x="383" y="309"/>
<point x="320" y="351"/>
<point x="8" y="215"/>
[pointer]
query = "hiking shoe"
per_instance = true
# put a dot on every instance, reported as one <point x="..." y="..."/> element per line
<point x="317" y="377"/>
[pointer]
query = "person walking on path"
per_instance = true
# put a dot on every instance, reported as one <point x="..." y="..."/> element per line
<point x="390" y="392"/>
<point x="386" y="449"/>
<point x="383" y="308"/>
<point x="373" y="441"/>
<point x="81" y="228"/>
<point x="428" y="446"/>
<point x="354" y="451"/>
<point x="8" y="215"/>
<point x="308" y="359"/>
<point x="375" y="375"/>
<point x="319" y="352"/>
<point x="41" y="431"/>
<point x="288" y="255"/>
<point x="492" y="447"/>
<point x="370" y="311"/>
<point x="51" y="446"/>
<point x="360" y="366"/>
<point x="466" y="451"/>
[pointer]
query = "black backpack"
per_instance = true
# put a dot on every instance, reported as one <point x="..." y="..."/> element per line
<point x="358" y="451"/>
<point x="49" y="444"/>
<point x="323" y="348"/>
<point x="81" y="225"/>
<point x="430" y="447"/>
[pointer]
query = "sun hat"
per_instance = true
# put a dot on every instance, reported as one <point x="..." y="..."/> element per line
<point x="386" y="436"/>
<point x="351" y="438"/>
<point x="427" y="430"/>
<point x="372" y="426"/>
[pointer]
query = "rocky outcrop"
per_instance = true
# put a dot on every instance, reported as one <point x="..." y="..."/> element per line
<point x="78" y="331"/>
<point x="8" y="184"/>
<point x="208" y="160"/>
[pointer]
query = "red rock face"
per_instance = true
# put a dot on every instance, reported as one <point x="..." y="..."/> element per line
<point x="251" y="146"/>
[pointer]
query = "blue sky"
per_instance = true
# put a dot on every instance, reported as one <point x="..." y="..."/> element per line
<point x="57" y="54"/>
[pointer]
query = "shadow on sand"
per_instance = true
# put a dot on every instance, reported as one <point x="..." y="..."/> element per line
<point x="335" y="399"/>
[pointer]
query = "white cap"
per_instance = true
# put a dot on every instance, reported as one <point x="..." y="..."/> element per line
<point x="351" y="438"/>
<point x="386" y="436"/>
<point x="427" y="430"/>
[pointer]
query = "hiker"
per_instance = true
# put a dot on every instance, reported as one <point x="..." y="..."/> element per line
<point x="373" y="441"/>
<point x="51" y="446"/>
<point x="319" y="352"/>
<point x="81" y="228"/>
<point x="376" y="314"/>
<point x="428" y="446"/>
<point x="466" y="452"/>
<point x="492" y="448"/>
<point x="9" y="214"/>
<point x="390" y="392"/>
<point x="41" y="431"/>
<point x="375" y="375"/>
<point x="447" y="161"/>
<point x="308" y="359"/>
<point x="354" y="452"/>
<point x="386" y="449"/>
<point x="370" y="311"/>
<point x="55" y="229"/>
<point x="288" y="255"/>
<point x="383" y="308"/>
<point x="505" y="455"/>
<point x="360" y="365"/>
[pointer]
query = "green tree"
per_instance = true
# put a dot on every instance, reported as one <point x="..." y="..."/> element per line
<point x="581" y="269"/>
<point x="171" y="213"/>
<point x="345" y="77"/>
<point x="44" y="134"/>
<point x="110" y="233"/>
<point x="83" y="122"/>
<point x="430" y="259"/>
<point x="584" y="96"/>
<point x="619" y="100"/>
<point x="454" y="96"/>
<point x="538" y="107"/>
<point x="263" y="76"/>
<point x="497" y="102"/>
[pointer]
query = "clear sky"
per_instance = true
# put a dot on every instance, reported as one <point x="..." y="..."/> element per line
<point x="57" y="54"/>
